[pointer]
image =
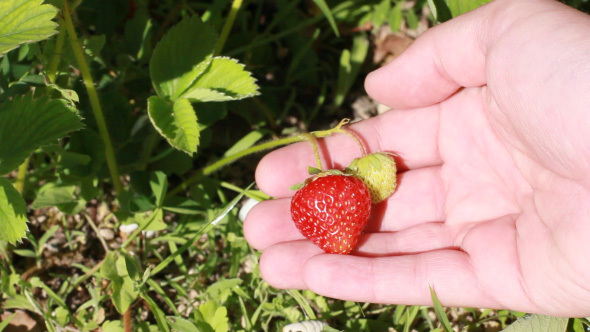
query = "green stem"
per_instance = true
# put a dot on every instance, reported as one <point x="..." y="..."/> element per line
<point x="19" y="184"/>
<point x="94" y="101"/>
<point x="229" y="22"/>
<point x="57" y="52"/>
<point x="316" y="152"/>
<point x="340" y="129"/>
<point x="144" y="160"/>
<point x="207" y="170"/>
<point x="140" y="229"/>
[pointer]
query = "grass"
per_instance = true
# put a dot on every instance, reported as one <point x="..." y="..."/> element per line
<point x="80" y="268"/>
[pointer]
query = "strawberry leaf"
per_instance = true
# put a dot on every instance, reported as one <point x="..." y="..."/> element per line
<point x="225" y="79"/>
<point x="37" y="122"/>
<point x="538" y="323"/>
<point x="176" y="121"/>
<point x="13" y="213"/>
<point x="25" y="21"/>
<point x="182" y="55"/>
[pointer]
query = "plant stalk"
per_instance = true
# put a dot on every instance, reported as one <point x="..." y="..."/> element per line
<point x="94" y="101"/>
<point x="144" y="160"/>
<point x="340" y="129"/>
<point x="19" y="184"/>
<point x="229" y="22"/>
<point x="207" y="170"/>
<point x="127" y="320"/>
<point x="316" y="152"/>
<point x="57" y="52"/>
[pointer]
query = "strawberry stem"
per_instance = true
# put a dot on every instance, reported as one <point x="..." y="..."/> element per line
<point x="207" y="170"/>
<point x="314" y="145"/>
<point x="340" y="129"/>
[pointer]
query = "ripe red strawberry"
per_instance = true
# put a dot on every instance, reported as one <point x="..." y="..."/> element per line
<point x="332" y="211"/>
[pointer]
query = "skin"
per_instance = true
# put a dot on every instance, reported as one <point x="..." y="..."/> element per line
<point x="490" y="119"/>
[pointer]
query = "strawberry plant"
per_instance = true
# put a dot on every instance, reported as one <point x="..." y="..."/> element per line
<point x="127" y="130"/>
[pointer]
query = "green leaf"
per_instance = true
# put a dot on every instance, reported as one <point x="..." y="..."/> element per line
<point x="159" y="184"/>
<point x="204" y="229"/>
<point x="396" y="17"/>
<point x="577" y="325"/>
<point x="92" y="46"/>
<point x="62" y="316"/>
<point x="25" y="21"/>
<point x="155" y="220"/>
<point x="440" y="312"/>
<point x="9" y="282"/>
<point x="157" y="312"/>
<point x="412" y="19"/>
<point x="5" y="322"/>
<point x="380" y="12"/>
<point x="181" y="325"/>
<point x="25" y="253"/>
<point x="13" y="213"/>
<point x="19" y="302"/>
<point x="245" y="142"/>
<point x="37" y="283"/>
<point x="225" y="79"/>
<point x="538" y="323"/>
<point x="182" y="205"/>
<point x="182" y="55"/>
<point x="176" y="122"/>
<point x="70" y="95"/>
<point x="108" y="269"/>
<point x="459" y="7"/>
<point x="113" y="326"/>
<point x="26" y="124"/>
<point x="440" y="10"/>
<point x="122" y="271"/>
<point x="326" y="11"/>
<point x="138" y="33"/>
<point x="53" y="195"/>
<point x="46" y="236"/>
<point x="60" y="196"/>
<point x="350" y="64"/>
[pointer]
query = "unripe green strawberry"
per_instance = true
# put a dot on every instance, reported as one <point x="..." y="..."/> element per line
<point x="378" y="172"/>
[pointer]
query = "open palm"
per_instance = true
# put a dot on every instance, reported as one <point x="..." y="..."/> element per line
<point x="491" y="125"/>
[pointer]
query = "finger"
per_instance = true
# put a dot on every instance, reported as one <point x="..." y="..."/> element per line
<point x="444" y="58"/>
<point x="400" y="279"/>
<point x="287" y="274"/>
<point x="418" y="199"/>
<point x="417" y="239"/>
<point x="270" y="222"/>
<point x="412" y="135"/>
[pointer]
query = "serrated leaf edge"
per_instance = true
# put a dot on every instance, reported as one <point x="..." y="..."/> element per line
<point x="242" y="67"/>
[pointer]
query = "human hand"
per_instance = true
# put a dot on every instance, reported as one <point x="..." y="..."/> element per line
<point x="490" y="120"/>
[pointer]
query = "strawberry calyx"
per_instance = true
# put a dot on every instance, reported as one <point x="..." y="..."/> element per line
<point x="315" y="174"/>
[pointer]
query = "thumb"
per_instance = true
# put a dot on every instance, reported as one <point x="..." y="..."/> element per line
<point x="449" y="56"/>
